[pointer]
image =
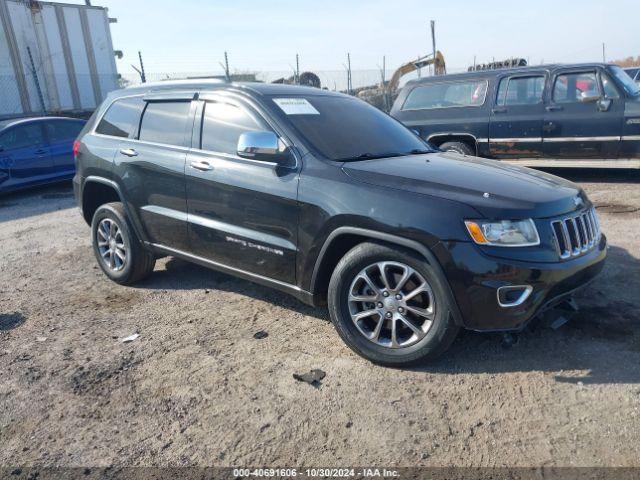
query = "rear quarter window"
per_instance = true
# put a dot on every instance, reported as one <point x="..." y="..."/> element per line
<point x="471" y="93"/>
<point x="121" y="118"/>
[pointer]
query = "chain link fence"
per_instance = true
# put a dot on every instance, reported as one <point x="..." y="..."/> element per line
<point x="367" y="84"/>
<point x="39" y="93"/>
<point x="336" y="80"/>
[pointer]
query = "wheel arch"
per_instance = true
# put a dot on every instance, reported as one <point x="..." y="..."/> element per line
<point x="97" y="191"/>
<point x="343" y="239"/>
<point x="438" y="139"/>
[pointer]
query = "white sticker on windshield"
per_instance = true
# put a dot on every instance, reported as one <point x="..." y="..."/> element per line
<point x="296" y="106"/>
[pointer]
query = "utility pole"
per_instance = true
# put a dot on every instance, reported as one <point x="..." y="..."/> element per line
<point x="604" y="57"/>
<point x="226" y="67"/>
<point x="349" y="73"/>
<point x="433" y="44"/>
<point x="297" y="69"/>
<point x="383" y="86"/>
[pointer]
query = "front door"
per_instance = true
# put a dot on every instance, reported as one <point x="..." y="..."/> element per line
<point x="25" y="155"/>
<point x="515" y="128"/>
<point x="243" y="213"/>
<point x="582" y="121"/>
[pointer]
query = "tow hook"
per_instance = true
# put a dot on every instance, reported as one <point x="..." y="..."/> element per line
<point x="509" y="340"/>
<point x="560" y="314"/>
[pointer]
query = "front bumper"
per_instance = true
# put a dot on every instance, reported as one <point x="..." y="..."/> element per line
<point x="476" y="277"/>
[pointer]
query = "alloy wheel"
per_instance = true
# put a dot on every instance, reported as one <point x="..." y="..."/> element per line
<point x="391" y="304"/>
<point x="111" y="245"/>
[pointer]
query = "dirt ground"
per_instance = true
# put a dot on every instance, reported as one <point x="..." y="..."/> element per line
<point x="196" y="388"/>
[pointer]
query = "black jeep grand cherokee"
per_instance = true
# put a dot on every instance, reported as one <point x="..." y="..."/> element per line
<point x="322" y="196"/>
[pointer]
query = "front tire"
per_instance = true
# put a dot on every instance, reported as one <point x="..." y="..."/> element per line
<point x="390" y="306"/>
<point x="458" y="147"/>
<point x="118" y="251"/>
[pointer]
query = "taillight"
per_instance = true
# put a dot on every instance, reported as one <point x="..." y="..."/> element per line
<point x="76" y="147"/>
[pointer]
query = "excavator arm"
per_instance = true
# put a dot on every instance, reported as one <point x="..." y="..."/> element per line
<point x="437" y="61"/>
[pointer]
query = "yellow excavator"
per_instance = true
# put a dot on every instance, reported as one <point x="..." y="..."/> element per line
<point x="382" y="95"/>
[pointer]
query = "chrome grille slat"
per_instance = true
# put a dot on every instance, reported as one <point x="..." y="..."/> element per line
<point x="587" y="223"/>
<point x="583" y="234"/>
<point x="576" y="234"/>
<point x="587" y="229"/>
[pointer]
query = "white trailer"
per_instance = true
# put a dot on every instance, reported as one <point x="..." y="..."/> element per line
<point x="54" y="57"/>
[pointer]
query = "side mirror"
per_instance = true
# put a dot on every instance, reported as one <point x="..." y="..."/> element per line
<point x="589" y="97"/>
<point x="604" y="104"/>
<point x="262" y="146"/>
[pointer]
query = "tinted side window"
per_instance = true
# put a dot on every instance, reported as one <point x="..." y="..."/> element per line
<point x="122" y="117"/>
<point x="520" y="90"/>
<point x="165" y="122"/>
<point x="442" y="95"/>
<point x="222" y="124"/>
<point x="570" y="87"/>
<point x="60" y="131"/>
<point x="22" y="137"/>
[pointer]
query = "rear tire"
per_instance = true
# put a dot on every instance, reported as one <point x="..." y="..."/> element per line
<point x="458" y="147"/>
<point x="403" y="337"/>
<point x="119" y="253"/>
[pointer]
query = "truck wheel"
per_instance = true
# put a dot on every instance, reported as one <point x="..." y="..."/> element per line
<point x="458" y="147"/>
<point x="390" y="306"/>
<point x="120" y="254"/>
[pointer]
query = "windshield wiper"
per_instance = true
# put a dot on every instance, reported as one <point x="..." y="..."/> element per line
<point x="418" y="151"/>
<point x="370" y="156"/>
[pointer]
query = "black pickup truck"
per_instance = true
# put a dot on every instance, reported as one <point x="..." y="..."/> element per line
<point x="584" y="115"/>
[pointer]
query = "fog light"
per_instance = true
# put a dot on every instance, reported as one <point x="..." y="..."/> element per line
<point x="513" y="295"/>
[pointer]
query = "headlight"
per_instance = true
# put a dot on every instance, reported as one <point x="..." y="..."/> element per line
<point x="505" y="233"/>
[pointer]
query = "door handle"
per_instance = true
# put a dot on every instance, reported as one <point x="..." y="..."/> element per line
<point x="129" y="152"/>
<point x="553" y="108"/>
<point x="499" y="110"/>
<point x="40" y="152"/>
<point x="201" y="165"/>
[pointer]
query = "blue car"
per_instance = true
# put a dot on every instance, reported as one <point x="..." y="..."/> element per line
<point x="35" y="151"/>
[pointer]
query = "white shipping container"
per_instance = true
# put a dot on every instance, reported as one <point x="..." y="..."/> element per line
<point x="72" y="65"/>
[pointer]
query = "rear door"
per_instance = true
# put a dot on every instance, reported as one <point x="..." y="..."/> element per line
<point x="242" y="213"/>
<point x="515" y="128"/>
<point x="25" y="155"/>
<point x="151" y="168"/>
<point x="61" y="135"/>
<point x="575" y="125"/>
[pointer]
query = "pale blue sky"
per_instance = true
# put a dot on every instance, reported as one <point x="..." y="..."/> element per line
<point x="191" y="35"/>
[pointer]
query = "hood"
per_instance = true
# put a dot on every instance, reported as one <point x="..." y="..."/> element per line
<point x="513" y="192"/>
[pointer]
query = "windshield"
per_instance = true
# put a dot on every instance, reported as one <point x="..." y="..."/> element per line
<point x="628" y="84"/>
<point x="347" y="129"/>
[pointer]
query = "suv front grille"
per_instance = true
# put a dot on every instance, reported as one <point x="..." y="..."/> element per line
<point x="576" y="234"/>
